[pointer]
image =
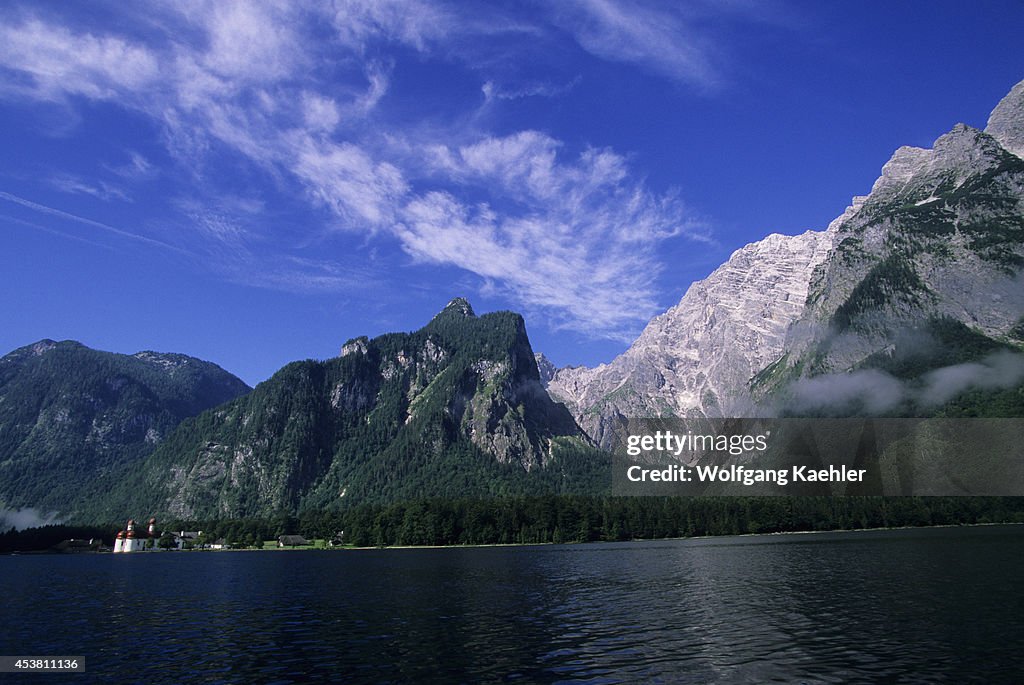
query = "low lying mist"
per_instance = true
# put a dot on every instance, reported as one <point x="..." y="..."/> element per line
<point x="26" y="518"/>
<point x="875" y="392"/>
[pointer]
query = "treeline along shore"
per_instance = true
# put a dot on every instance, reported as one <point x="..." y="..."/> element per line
<point x="562" y="519"/>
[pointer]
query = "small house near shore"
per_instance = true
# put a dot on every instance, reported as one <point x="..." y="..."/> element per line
<point x="292" y="541"/>
<point x="75" y="545"/>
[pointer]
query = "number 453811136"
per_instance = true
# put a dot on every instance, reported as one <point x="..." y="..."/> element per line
<point x="21" y="664"/>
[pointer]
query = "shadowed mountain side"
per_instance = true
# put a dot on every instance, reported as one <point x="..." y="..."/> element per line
<point x="74" y="421"/>
<point x="455" y="409"/>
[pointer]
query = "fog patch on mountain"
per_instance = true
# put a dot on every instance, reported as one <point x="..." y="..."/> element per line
<point x="872" y="391"/>
<point x="26" y="518"/>
<point x="869" y="390"/>
<point x="995" y="372"/>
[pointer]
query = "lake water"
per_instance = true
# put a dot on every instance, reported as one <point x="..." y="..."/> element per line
<point x="929" y="605"/>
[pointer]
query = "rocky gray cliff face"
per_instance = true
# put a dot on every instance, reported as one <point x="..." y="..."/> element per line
<point x="1006" y="123"/>
<point x="933" y="254"/>
<point x="938" y="244"/>
<point x="698" y="357"/>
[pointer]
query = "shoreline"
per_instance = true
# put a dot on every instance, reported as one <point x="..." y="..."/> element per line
<point x="694" y="537"/>
<point x="308" y="548"/>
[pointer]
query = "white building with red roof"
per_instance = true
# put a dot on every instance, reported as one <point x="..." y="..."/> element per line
<point x="130" y="540"/>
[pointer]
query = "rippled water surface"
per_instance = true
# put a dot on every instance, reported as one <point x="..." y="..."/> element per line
<point x="931" y="605"/>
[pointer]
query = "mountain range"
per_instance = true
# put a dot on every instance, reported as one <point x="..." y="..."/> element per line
<point x="74" y="421"/>
<point x="452" y="410"/>
<point x="911" y="302"/>
<point x="911" y="297"/>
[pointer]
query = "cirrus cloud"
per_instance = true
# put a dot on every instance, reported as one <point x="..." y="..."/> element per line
<point x="294" y="92"/>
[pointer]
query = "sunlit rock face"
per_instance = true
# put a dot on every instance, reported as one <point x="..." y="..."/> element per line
<point x="932" y="254"/>
<point x="699" y="356"/>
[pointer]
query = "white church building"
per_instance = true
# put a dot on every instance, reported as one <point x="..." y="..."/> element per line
<point x="129" y="540"/>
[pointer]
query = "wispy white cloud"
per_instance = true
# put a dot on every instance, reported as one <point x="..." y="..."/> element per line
<point x="579" y="239"/>
<point x="574" y="236"/>
<point x="412" y="22"/>
<point x="55" y="62"/>
<point x="220" y="227"/>
<point x="302" y="275"/>
<point x="137" y="168"/>
<point x="346" y="179"/>
<point x="69" y="183"/>
<point x="655" y="37"/>
<point x="319" y="112"/>
<point x="686" y="42"/>
<point x="496" y="91"/>
<point x="377" y="78"/>
<point x="249" y="42"/>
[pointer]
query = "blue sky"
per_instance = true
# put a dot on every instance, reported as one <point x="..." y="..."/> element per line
<point x="256" y="183"/>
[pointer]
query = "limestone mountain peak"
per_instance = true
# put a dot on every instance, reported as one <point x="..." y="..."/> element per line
<point x="460" y="305"/>
<point x="1006" y="123"/>
<point x="938" y="243"/>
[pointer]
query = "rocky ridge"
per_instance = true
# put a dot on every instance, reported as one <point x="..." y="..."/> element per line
<point x="937" y="243"/>
<point x="698" y="357"/>
<point x="454" y="409"/>
<point x="73" y="420"/>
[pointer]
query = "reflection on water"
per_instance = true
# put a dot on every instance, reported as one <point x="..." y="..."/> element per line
<point x="935" y="605"/>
